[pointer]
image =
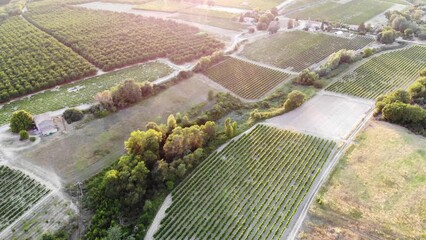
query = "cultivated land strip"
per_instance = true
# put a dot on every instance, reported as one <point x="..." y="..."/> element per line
<point x="382" y="74"/>
<point x="270" y="215"/>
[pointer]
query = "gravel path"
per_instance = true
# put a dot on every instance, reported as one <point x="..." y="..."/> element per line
<point x="161" y="214"/>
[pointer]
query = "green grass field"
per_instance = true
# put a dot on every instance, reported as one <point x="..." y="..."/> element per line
<point x="249" y="190"/>
<point x="378" y="190"/>
<point x="383" y="74"/>
<point x="299" y="50"/>
<point x="245" y="79"/>
<point x="353" y="12"/>
<point x="56" y="99"/>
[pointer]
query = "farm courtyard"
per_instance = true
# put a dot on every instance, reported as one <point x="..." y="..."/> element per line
<point x="224" y="119"/>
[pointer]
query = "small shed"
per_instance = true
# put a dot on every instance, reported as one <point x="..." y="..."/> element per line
<point x="45" y="124"/>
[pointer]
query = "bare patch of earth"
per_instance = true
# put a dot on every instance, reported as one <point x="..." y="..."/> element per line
<point x="326" y="115"/>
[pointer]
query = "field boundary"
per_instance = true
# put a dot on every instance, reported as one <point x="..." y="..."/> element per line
<point x="324" y="176"/>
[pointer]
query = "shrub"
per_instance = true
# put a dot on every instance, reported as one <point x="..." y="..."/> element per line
<point x="307" y="77"/>
<point x="387" y="36"/>
<point x="368" y="52"/>
<point x="21" y="120"/>
<point x="23" y="135"/>
<point x="73" y="115"/>
<point x="295" y="99"/>
<point x="32" y="139"/>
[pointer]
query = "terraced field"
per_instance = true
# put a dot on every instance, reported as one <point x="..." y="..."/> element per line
<point x="298" y="50"/>
<point x="245" y="79"/>
<point x="18" y="193"/>
<point x="249" y="190"/>
<point x="351" y="12"/>
<point x="383" y="74"/>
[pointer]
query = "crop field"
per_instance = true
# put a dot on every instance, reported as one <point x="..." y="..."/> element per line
<point x="165" y="6"/>
<point x="298" y="50"/>
<point x="249" y="4"/>
<point x="352" y="12"/>
<point x="111" y="40"/>
<point x="245" y="79"/>
<point x="18" y="193"/>
<point x="249" y="190"/>
<point x="383" y="74"/>
<point x="82" y="92"/>
<point x="31" y="60"/>
<point x="53" y="214"/>
<point x="224" y="23"/>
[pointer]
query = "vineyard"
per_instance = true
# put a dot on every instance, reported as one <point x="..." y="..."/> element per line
<point x="82" y="92"/>
<point x="299" y="50"/>
<point x="53" y="214"/>
<point x="383" y="74"/>
<point x="350" y="12"/>
<point x="112" y="40"/>
<point x="250" y="190"/>
<point x="247" y="80"/>
<point x="18" y="193"/>
<point x="31" y="60"/>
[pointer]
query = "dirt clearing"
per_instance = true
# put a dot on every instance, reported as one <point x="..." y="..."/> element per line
<point x="326" y="115"/>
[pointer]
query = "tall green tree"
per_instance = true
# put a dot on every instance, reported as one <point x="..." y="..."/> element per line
<point x="21" y="120"/>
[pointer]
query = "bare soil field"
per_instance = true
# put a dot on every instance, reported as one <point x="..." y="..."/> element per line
<point x="326" y="115"/>
<point x="377" y="191"/>
<point x="89" y="147"/>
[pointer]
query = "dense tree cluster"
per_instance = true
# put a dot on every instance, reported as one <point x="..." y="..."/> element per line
<point x="31" y="60"/>
<point x="406" y="22"/>
<point x="405" y="108"/>
<point x="113" y="40"/>
<point x="155" y="158"/>
<point x="125" y="94"/>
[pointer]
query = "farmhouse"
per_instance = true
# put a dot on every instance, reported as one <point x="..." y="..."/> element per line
<point x="44" y="123"/>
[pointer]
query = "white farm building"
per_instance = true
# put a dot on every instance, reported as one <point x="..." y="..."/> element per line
<point x="45" y="124"/>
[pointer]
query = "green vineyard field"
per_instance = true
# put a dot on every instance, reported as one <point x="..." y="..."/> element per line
<point x="31" y="60"/>
<point x="18" y="193"/>
<point x="383" y="74"/>
<point x="299" y="50"/>
<point x="349" y="12"/>
<point x="249" y="190"/>
<point x="245" y="79"/>
<point x="112" y="40"/>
